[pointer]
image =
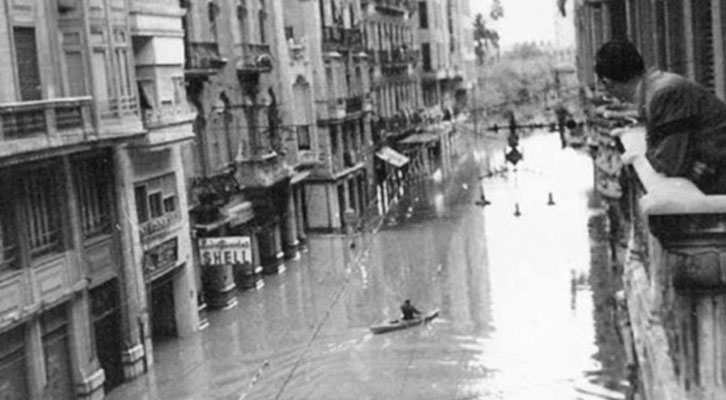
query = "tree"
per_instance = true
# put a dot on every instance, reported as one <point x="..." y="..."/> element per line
<point x="484" y="39"/>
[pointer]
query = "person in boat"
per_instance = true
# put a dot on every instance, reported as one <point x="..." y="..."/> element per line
<point x="408" y="310"/>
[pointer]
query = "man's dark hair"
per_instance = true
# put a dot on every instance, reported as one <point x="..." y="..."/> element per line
<point x="619" y="60"/>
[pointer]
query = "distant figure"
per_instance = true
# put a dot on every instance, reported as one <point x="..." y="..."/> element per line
<point x="562" y="114"/>
<point x="408" y="310"/>
<point x="685" y="123"/>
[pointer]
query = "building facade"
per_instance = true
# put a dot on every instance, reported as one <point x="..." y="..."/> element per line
<point x="338" y="189"/>
<point x="96" y="257"/>
<point x="254" y="138"/>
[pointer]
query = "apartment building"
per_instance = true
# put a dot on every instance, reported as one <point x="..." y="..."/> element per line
<point x="338" y="190"/>
<point x="95" y="258"/>
<point x="254" y="138"/>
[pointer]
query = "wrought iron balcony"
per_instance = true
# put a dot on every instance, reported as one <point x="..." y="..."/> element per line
<point x="254" y="58"/>
<point x="390" y="6"/>
<point x="60" y="121"/>
<point x="354" y="104"/>
<point x="203" y="59"/>
<point x="340" y="38"/>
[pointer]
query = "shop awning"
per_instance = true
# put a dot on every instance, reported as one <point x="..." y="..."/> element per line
<point x="392" y="157"/>
<point x="299" y="176"/>
<point x="420" y="138"/>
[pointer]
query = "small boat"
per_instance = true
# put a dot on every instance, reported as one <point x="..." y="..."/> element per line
<point x="403" y="324"/>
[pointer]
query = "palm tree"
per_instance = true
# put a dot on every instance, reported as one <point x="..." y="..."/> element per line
<point x="484" y="39"/>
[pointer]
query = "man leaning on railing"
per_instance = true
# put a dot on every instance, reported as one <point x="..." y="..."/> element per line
<point x="685" y="123"/>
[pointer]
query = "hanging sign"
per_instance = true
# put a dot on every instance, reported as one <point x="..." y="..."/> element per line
<point x="225" y="250"/>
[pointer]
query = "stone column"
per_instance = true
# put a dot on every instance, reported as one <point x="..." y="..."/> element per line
<point x="87" y="376"/>
<point x="134" y="316"/>
<point x="289" y="226"/>
<point x="297" y="193"/>
<point x="185" y="284"/>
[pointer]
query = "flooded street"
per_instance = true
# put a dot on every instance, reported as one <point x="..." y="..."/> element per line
<point x="524" y="303"/>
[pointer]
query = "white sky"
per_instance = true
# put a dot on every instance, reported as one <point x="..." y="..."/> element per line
<point x="528" y="20"/>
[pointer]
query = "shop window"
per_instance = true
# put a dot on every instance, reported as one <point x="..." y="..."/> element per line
<point x="93" y="181"/>
<point x="42" y="209"/>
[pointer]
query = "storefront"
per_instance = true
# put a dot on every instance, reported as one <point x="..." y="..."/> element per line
<point x="221" y="279"/>
<point x="389" y="166"/>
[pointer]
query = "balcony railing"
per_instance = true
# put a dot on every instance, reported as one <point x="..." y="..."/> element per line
<point x="57" y="117"/>
<point x="344" y="38"/>
<point x="166" y="114"/>
<point x="390" y="6"/>
<point x="203" y="59"/>
<point x="253" y="58"/>
<point x="354" y="104"/>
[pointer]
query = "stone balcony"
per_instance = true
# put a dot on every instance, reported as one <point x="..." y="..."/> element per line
<point x="167" y="114"/>
<point x="673" y="271"/>
<point x="331" y="109"/>
<point x="339" y="38"/>
<point x="260" y="162"/>
<point x="44" y="124"/>
<point x="253" y="58"/>
<point x="202" y="59"/>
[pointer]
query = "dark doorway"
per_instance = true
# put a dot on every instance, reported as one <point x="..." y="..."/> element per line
<point x="163" y="320"/>
<point x="341" y="204"/>
<point x="107" y="332"/>
<point x="13" y="365"/>
<point x="56" y="349"/>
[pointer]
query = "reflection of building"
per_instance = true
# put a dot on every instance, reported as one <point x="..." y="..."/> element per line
<point x="93" y="243"/>
<point x="342" y="179"/>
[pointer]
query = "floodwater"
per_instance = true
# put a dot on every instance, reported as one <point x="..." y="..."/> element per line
<point x="525" y="309"/>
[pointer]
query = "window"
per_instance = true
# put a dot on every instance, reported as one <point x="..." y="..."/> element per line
<point x="303" y="137"/>
<point x="212" y="11"/>
<point x="142" y="209"/>
<point x="8" y="233"/>
<point x="26" y="57"/>
<point x="93" y="184"/>
<point x="242" y="20"/>
<point x="42" y="209"/>
<point x="156" y="197"/>
<point x="426" y="56"/>
<point x="75" y="69"/>
<point x="155" y="208"/>
<point x="170" y="204"/>
<point x="423" y="17"/>
<point x="179" y="91"/>
<point x="262" y="16"/>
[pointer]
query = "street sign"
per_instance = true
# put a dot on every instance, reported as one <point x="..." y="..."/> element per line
<point x="225" y="250"/>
